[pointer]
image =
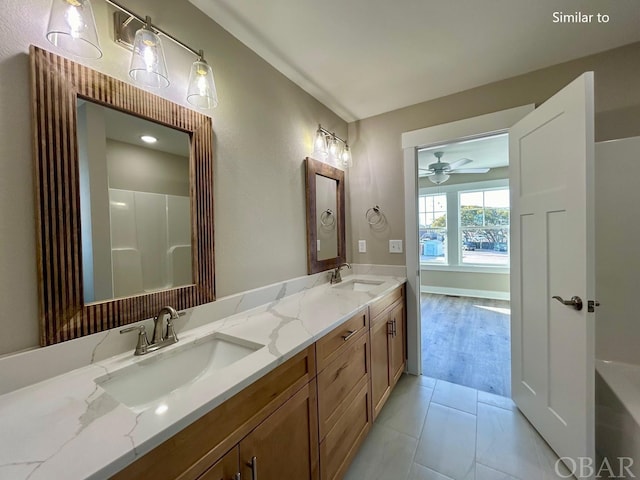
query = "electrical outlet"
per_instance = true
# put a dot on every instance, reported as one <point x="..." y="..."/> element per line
<point x="362" y="246"/>
<point x="395" y="246"/>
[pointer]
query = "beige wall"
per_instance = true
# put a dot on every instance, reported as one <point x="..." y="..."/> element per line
<point x="140" y="169"/>
<point x="263" y="129"/>
<point x="377" y="175"/>
<point x="617" y="169"/>
<point x="492" y="282"/>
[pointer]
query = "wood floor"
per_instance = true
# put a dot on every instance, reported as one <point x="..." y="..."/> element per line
<point x="467" y="341"/>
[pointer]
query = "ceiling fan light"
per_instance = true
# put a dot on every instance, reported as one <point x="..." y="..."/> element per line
<point x="438" y="178"/>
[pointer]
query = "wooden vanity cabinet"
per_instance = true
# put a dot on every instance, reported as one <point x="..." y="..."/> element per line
<point x="291" y="423"/>
<point x="388" y="346"/>
<point x="344" y="405"/>
<point x="285" y="445"/>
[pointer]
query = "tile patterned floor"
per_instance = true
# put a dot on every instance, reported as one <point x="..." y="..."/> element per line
<point x="435" y="430"/>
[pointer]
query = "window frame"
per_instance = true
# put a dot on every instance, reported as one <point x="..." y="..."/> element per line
<point x="454" y="246"/>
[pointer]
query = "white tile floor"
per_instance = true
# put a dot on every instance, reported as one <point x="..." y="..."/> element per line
<point x="434" y="430"/>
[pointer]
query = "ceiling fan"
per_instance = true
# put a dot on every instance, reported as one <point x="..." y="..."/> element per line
<point x="438" y="172"/>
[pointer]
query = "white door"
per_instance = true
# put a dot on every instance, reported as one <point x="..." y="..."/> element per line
<point x="552" y="254"/>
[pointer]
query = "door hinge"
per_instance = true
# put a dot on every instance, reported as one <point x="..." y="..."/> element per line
<point x="591" y="305"/>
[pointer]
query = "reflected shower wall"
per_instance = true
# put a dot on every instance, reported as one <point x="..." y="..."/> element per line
<point x="150" y="241"/>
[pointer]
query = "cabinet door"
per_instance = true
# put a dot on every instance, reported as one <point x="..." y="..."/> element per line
<point x="397" y="341"/>
<point x="285" y="445"/>
<point x="380" y="380"/>
<point x="227" y="468"/>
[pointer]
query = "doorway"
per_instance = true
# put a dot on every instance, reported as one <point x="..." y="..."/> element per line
<point x="468" y="129"/>
<point x="463" y="228"/>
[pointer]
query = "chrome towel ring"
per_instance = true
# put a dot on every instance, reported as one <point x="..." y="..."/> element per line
<point x="374" y="216"/>
<point x="327" y="218"/>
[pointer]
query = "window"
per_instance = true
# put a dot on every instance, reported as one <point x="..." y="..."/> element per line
<point x="432" y="212"/>
<point x="484" y="227"/>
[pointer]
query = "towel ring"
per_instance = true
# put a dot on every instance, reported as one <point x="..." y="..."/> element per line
<point x="327" y="218"/>
<point x="374" y="216"/>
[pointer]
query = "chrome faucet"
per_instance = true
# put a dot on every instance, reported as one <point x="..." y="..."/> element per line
<point x="158" y="339"/>
<point x="335" y="274"/>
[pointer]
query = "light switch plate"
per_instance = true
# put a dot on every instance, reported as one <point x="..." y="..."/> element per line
<point x="362" y="246"/>
<point x="317" y="245"/>
<point x="395" y="246"/>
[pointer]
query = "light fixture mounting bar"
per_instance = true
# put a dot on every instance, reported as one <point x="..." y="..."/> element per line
<point x="332" y="135"/>
<point x="142" y="20"/>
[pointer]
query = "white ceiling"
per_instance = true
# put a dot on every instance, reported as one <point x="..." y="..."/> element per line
<point x="365" y="57"/>
<point x="489" y="152"/>
<point x="129" y="128"/>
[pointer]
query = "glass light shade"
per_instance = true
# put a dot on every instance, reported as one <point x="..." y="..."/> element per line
<point x="347" y="161"/>
<point x="438" y="178"/>
<point x="334" y="152"/>
<point x="148" y="66"/>
<point x="72" y="27"/>
<point x="202" y="87"/>
<point x="320" y="146"/>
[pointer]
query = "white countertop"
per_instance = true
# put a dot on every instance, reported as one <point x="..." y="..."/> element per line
<point x="68" y="427"/>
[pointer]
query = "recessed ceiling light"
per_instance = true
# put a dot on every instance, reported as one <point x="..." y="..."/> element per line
<point x="148" y="139"/>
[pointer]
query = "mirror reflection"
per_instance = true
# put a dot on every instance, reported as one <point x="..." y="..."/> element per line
<point x="135" y="204"/>
<point x="326" y="217"/>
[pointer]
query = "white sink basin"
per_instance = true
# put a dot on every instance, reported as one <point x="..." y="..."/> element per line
<point x="359" y="284"/>
<point x="148" y="380"/>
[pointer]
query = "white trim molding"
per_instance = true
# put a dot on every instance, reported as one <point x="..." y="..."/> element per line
<point x="466" y="292"/>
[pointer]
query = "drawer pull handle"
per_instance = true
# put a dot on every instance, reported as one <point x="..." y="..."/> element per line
<point x="350" y="334"/>
<point x="236" y="476"/>
<point x="254" y="468"/>
<point x="392" y="328"/>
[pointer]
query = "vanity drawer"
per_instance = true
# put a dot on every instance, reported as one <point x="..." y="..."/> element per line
<point x="338" y="380"/>
<point x="342" y="442"/>
<point x="381" y="305"/>
<point x="340" y="338"/>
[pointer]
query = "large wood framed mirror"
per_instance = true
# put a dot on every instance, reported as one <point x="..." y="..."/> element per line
<point x="122" y="229"/>
<point x="326" y="245"/>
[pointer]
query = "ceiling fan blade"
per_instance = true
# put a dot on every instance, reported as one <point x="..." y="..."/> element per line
<point x="459" y="163"/>
<point x="470" y="170"/>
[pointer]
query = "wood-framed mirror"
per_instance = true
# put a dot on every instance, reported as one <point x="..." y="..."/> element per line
<point x="152" y="259"/>
<point x="326" y="244"/>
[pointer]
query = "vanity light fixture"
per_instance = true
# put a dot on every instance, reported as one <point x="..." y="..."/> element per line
<point x="148" y="66"/>
<point x="72" y="27"/>
<point x="328" y="147"/>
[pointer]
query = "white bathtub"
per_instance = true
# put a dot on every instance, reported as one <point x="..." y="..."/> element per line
<point x="618" y="412"/>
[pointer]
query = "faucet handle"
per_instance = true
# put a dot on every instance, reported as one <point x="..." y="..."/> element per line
<point x="171" y="333"/>
<point x="143" y="343"/>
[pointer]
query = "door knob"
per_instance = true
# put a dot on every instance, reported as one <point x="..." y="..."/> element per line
<point x="575" y="301"/>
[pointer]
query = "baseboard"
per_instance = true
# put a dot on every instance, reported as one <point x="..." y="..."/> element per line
<point x="466" y="292"/>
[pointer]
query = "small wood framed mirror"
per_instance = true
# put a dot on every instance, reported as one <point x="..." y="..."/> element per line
<point x="326" y="245"/>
